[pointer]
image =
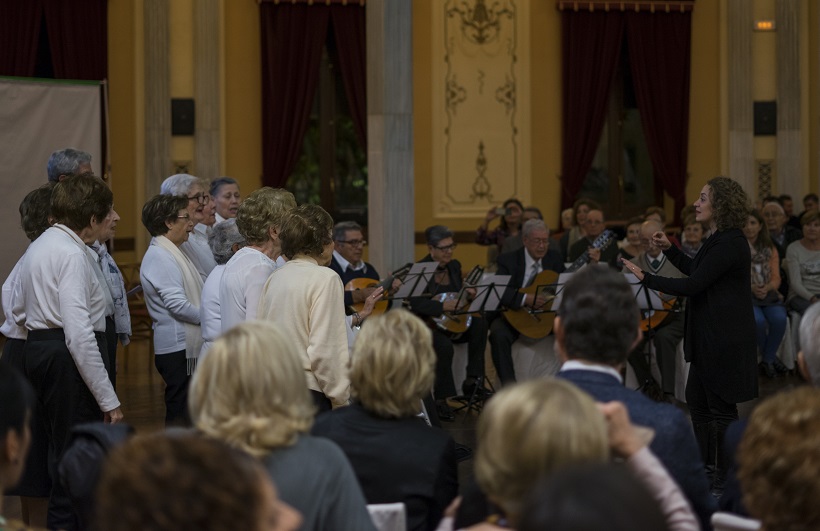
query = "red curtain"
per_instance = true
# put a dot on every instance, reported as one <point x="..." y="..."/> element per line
<point x="591" y="47"/>
<point x="78" y="35"/>
<point x="19" y="33"/>
<point x="292" y="40"/>
<point x="660" y="51"/>
<point x="349" y="27"/>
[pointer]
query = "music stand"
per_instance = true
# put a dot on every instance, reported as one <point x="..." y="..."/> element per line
<point x="413" y="285"/>
<point x="563" y="278"/>
<point x="649" y="301"/>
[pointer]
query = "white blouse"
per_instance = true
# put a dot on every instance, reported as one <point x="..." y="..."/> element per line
<point x="242" y="282"/>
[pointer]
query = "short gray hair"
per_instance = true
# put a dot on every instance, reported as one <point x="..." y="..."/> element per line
<point x="340" y="229"/>
<point x="180" y="184"/>
<point x="65" y="162"/>
<point x="533" y="225"/>
<point x="223" y="237"/>
<point x="216" y="184"/>
<point x="810" y="342"/>
<point x="436" y="233"/>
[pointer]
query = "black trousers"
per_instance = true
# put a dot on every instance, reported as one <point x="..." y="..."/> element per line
<point x="502" y="337"/>
<point x="173" y="368"/>
<point x="476" y="339"/>
<point x="65" y="401"/>
<point x="111" y="340"/>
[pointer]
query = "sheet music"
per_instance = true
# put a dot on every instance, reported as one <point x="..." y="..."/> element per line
<point x="489" y="292"/>
<point x="417" y="279"/>
<point x="640" y="292"/>
<point x="563" y="278"/>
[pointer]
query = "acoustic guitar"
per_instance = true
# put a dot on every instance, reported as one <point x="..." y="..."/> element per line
<point x="652" y="319"/>
<point x="603" y="241"/>
<point x="454" y="323"/>
<point x="363" y="283"/>
<point x="535" y="323"/>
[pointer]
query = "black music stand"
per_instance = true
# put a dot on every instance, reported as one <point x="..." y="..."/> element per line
<point x="649" y="302"/>
<point x="487" y="299"/>
<point x="417" y="280"/>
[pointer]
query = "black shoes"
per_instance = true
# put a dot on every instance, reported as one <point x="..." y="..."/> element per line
<point x="471" y="389"/>
<point x="445" y="412"/>
<point x="779" y="367"/>
<point x="768" y="369"/>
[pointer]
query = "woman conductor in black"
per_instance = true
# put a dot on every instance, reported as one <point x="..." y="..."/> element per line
<point x="719" y="337"/>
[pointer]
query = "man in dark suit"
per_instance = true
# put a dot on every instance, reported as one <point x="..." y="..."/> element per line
<point x="348" y="245"/>
<point x="523" y="265"/>
<point x="666" y="333"/>
<point x="594" y="339"/>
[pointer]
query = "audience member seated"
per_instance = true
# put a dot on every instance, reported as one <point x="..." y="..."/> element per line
<point x="531" y="430"/>
<point x="630" y="246"/>
<point x="658" y="214"/>
<point x="810" y="204"/>
<point x="577" y="231"/>
<point x="224" y="241"/>
<point x="593" y="227"/>
<point x="225" y="198"/>
<point x="448" y="279"/>
<point x="781" y="234"/>
<point x="171" y="481"/>
<point x="666" y="332"/>
<point x="779" y="461"/>
<point x="250" y="392"/>
<point x="595" y="339"/>
<point x="18" y="401"/>
<point x="510" y="224"/>
<point x="770" y="313"/>
<point x="565" y="501"/>
<point x="803" y="258"/>
<point x="514" y="243"/>
<point x="396" y="456"/>
<point x="523" y="266"/>
<point x="200" y="213"/>
<point x="306" y="298"/>
<point x="173" y="291"/>
<point x="788" y="206"/>
<point x="258" y="220"/>
<point x="693" y="232"/>
<point x="348" y="246"/>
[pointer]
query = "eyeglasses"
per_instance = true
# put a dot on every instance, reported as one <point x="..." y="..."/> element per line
<point x="540" y="241"/>
<point x="353" y="243"/>
<point x="202" y="199"/>
<point x="185" y="216"/>
<point x="445" y="248"/>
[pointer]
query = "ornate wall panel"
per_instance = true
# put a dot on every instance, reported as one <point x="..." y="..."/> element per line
<point x="481" y="105"/>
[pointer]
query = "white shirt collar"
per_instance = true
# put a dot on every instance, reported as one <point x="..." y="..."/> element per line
<point x="578" y="365"/>
<point x="344" y="264"/>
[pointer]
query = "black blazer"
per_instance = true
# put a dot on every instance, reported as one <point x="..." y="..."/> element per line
<point x="719" y="335"/>
<point x="515" y="264"/>
<point x="425" y="306"/>
<point x="396" y="460"/>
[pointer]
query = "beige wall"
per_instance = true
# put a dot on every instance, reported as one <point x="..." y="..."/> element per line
<point x="241" y="129"/>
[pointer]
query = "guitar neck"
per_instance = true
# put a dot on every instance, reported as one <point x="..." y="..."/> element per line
<point x="601" y="242"/>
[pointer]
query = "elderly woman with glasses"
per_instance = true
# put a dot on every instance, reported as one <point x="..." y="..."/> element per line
<point x="173" y="290"/>
<point x="225" y="240"/>
<point x="448" y="279"/>
<point x="201" y="214"/>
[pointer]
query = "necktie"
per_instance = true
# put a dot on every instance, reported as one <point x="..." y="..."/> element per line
<point x="535" y="269"/>
<point x="656" y="264"/>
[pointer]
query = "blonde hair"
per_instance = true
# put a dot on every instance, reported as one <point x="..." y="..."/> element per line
<point x="262" y="210"/>
<point x="392" y="364"/>
<point x="779" y="459"/>
<point x="528" y="431"/>
<point x="250" y="390"/>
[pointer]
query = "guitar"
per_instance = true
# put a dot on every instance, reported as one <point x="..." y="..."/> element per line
<point x="535" y="323"/>
<point x="652" y="319"/>
<point x="451" y="322"/>
<point x="603" y="241"/>
<point x="364" y="283"/>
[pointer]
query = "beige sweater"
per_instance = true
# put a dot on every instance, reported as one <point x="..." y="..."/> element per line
<point x="306" y="301"/>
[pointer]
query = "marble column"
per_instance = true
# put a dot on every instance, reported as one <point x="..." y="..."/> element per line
<point x="741" y="108"/>
<point x="789" y="137"/>
<point x="157" y="96"/>
<point x="207" y="66"/>
<point x="391" y="200"/>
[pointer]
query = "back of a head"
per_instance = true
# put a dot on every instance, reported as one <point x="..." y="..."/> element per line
<point x="810" y="342"/>
<point x="65" y="162"/>
<point x="779" y="461"/>
<point x="566" y="501"/>
<point x="260" y="211"/>
<point x="530" y="430"/>
<point x="222" y="238"/>
<point x="305" y="230"/>
<point x="166" y="482"/>
<point x="35" y="211"/>
<point x="599" y="316"/>
<point x="250" y="390"/>
<point x="179" y="184"/>
<point x="392" y="365"/>
<point x="77" y="199"/>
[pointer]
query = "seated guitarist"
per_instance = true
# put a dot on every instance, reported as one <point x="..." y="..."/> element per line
<point x="448" y="279"/>
<point x="669" y="332"/>
<point x="348" y="244"/>
<point x="593" y="227"/>
<point x="523" y="264"/>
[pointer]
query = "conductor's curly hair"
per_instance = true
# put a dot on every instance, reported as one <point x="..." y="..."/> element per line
<point x="730" y="204"/>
